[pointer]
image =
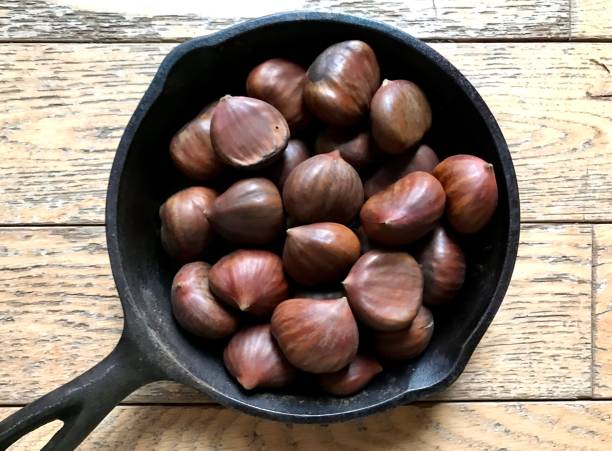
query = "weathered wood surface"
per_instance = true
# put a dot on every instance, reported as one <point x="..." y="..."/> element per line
<point x="602" y="311"/>
<point x="591" y="19"/>
<point x="59" y="315"/>
<point x="457" y="426"/>
<point x="117" y="20"/>
<point x="63" y="108"/>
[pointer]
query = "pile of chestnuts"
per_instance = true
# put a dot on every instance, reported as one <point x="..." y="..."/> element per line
<point x="333" y="259"/>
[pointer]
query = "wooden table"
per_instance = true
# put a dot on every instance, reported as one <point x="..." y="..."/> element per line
<point x="71" y="75"/>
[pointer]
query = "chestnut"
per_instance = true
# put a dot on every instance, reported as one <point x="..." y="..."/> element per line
<point x="352" y="378"/>
<point x="319" y="253"/>
<point x="255" y="360"/>
<point x="405" y="211"/>
<point x="192" y="151"/>
<point x="443" y="266"/>
<point x="281" y="83"/>
<point x="385" y="289"/>
<point x="249" y="212"/>
<point x="185" y="231"/>
<point x="247" y="133"/>
<point x="316" y="336"/>
<point x="355" y="146"/>
<point x="323" y="188"/>
<point x="332" y="292"/>
<point x="251" y="280"/>
<point x="194" y="306"/>
<point x="424" y="159"/>
<point x="471" y="191"/>
<point x="295" y="153"/>
<point x="340" y="83"/>
<point x="400" y="115"/>
<point x="406" y="343"/>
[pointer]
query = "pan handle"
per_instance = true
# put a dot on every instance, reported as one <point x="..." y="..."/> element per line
<point x="83" y="402"/>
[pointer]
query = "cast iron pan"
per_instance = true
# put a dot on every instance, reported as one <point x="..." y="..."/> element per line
<point x="154" y="348"/>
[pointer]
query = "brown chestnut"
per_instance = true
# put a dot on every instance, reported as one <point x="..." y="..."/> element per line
<point x="185" y="231"/>
<point x="319" y="253"/>
<point x="385" y="289"/>
<point x="471" y="191"/>
<point x="248" y="133"/>
<point x="405" y="211"/>
<point x="323" y="188"/>
<point x="340" y="83"/>
<point x="281" y="83"/>
<point x="352" y="378"/>
<point x="251" y="280"/>
<point x="424" y="159"/>
<point x="295" y="153"/>
<point x="249" y="212"/>
<point x="255" y="360"/>
<point x="400" y="115"/>
<point x="194" y="306"/>
<point x="316" y="336"/>
<point x="192" y="151"/>
<point x="443" y="266"/>
<point x="406" y="343"/>
<point x="355" y="146"/>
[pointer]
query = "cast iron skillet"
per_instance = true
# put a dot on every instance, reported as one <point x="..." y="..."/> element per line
<point x="153" y="348"/>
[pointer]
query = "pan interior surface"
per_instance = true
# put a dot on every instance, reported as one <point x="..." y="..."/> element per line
<point x="211" y="68"/>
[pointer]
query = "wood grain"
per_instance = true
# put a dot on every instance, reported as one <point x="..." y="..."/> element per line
<point x="456" y="426"/>
<point x="115" y="20"/>
<point x="63" y="108"/>
<point x="591" y="19"/>
<point x="59" y="315"/>
<point x="602" y="311"/>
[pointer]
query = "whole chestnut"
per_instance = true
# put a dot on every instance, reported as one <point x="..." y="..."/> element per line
<point x="319" y="253"/>
<point x="323" y="188"/>
<point x="355" y="146"/>
<point x="340" y="83"/>
<point x="443" y="265"/>
<point x="281" y="83"/>
<point x="406" y="343"/>
<point x="400" y="115"/>
<point x="194" y="306"/>
<point x="191" y="149"/>
<point x="251" y="280"/>
<point x="249" y="212"/>
<point x="385" y="289"/>
<point x="424" y="159"/>
<point x="185" y="231"/>
<point x="295" y="153"/>
<point x="247" y="133"/>
<point x="255" y="360"/>
<point x="351" y="378"/>
<point x="471" y="191"/>
<point x="316" y="336"/>
<point x="405" y="211"/>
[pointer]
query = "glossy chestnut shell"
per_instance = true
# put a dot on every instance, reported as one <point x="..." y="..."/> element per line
<point x="295" y="153"/>
<point x="400" y="115"/>
<point x="248" y="133"/>
<point x="185" y="230"/>
<point x="318" y="336"/>
<point x="355" y="145"/>
<point x="324" y="188"/>
<point x="352" y="378"/>
<point x="471" y="191"/>
<point x="385" y="289"/>
<point x="194" y="306"/>
<point x="340" y="83"/>
<point x="406" y="343"/>
<point x="405" y="211"/>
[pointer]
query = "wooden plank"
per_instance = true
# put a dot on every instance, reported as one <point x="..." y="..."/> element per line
<point x="591" y="19"/>
<point x="602" y="311"/>
<point x="456" y="426"/>
<point x="59" y="315"/>
<point x="63" y="108"/>
<point x="116" y="20"/>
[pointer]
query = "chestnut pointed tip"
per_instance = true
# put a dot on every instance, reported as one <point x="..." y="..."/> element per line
<point x="225" y="97"/>
<point x="248" y="383"/>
